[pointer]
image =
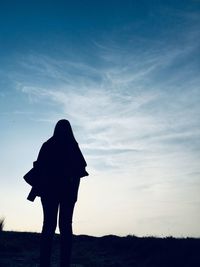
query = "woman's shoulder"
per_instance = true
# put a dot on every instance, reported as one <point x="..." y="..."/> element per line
<point x="47" y="144"/>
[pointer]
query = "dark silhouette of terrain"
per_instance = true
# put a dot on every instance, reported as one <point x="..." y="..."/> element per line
<point x="19" y="249"/>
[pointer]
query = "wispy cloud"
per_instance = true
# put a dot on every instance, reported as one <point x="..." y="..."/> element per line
<point x="135" y="113"/>
<point x="123" y="107"/>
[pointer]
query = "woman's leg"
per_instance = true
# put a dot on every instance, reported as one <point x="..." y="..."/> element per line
<point x="50" y="211"/>
<point x="67" y="202"/>
<point x="65" y="225"/>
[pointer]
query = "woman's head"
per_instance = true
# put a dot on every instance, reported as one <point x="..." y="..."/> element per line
<point x="63" y="130"/>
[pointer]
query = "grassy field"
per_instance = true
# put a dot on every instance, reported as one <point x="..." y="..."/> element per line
<point x="22" y="249"/>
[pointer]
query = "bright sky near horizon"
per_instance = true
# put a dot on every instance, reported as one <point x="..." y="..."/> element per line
<point x="126" y="75"/>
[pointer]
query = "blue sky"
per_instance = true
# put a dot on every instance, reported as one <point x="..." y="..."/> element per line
<point x="126" y="75"/>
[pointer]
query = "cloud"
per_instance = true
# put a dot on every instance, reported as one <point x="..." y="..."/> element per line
<point x="128" y="107"/>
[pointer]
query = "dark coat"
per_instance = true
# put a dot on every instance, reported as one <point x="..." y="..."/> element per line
<point x="57" y="163"/>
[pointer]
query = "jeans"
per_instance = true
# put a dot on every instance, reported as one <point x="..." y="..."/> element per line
<point x="62" y="202"/>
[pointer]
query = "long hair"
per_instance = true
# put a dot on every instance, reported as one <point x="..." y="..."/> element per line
<point x="63" y="132"/>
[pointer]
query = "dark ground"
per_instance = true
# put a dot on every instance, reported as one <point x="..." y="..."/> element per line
<point x="22" y="249"/>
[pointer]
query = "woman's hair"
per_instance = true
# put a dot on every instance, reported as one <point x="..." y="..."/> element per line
<point x="63" y="131"/>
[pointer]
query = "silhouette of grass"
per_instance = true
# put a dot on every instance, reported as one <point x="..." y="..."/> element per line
<point x="1" y="224"/>
<point x="22" y="250"/>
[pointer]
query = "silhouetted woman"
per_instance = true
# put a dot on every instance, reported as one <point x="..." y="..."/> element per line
<point x="60" y="165"/>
